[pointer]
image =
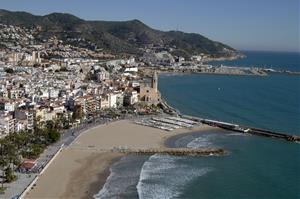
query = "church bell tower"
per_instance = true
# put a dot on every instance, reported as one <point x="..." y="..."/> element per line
<point x="154" y="81"/>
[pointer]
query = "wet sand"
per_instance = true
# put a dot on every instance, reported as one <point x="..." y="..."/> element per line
<point x="93" y="173"/>
<point x="80" y="170"/>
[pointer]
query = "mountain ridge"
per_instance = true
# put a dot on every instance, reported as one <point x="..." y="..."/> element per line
<point x="116" y="36"/>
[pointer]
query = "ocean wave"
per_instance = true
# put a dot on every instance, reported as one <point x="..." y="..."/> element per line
<point x="123" y="175"/>
<point x="104" y="192"/>
<point x="204" y="141"/>
<point x="200" y="142"/>
<point x="164" y="176"/>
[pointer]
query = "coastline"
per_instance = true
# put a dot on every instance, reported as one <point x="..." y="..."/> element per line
<point x="111" y="136"/>
<point x="81" y="170"/>
<point x="101" y="180"/>
<point x="187" y="72"/>
<point x="92" y="175"/>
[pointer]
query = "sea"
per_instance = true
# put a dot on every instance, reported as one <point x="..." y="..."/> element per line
<point x="256" y="167"/>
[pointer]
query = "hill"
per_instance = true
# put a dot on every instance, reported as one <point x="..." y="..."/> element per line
<point x="116" y="36"/>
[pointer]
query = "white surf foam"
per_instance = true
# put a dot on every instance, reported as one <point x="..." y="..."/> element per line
<point x="104" y="192"/>
<point x="204" y="141"/>
<point x="164" y="177"/>
<point x="200" y="142"/>
<point x="119" y="180"/>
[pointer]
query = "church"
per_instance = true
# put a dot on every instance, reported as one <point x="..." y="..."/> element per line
<point x="150" y="94"/>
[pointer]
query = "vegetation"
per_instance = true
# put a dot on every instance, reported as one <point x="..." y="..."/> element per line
<point x="9" y="174"/>
<point x="9" y="70"/>
<point x="116" y="37"/>
<point x="2" y="189"/>
<point x="77" y="113"/>
<point x="91" y="76"/>
<point x="25" y="145"/>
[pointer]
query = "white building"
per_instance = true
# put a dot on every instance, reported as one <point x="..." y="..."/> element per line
<point x="112" y="98"/>
<point x="103" y="75"/>
<point x="53" y="93"/>
<point x="9" y="106"/>
<point x="7" y="125"/>
<point x="197" y="58"/>
<point x="130" y="61"/>
<point x="131" y="69"/>
<point x="36" y="57"/>
<point x="104" y="102"/>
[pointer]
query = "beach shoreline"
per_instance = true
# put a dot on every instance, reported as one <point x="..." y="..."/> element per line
<point x="82" y="168"/>
<point x="85" y="186"/>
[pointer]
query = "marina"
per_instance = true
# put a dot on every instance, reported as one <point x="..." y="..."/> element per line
<point x="167" y="123"/>
<point x="171" y="123"/>
<point x="179" y="119"/>
<point x="182" y="120"/>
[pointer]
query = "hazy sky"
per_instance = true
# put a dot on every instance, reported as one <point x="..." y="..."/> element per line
<point x="243" y="24"/>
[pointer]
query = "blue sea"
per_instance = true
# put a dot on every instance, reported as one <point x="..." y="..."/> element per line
<point x="264" y="59"/>
<point x="256" y="167"/>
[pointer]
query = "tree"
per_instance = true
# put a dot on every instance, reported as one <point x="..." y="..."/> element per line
<point x="35" y="151"/>
<point x="12" y="157"/>
<point x="50" y="124"/>
<point x="77" y="113"/>
<point x="9" y="175"/>
<point x="52" y="135"/>
<point x="61" y="122"/>
<point x="9" y="70"/>
<point x="3" y="163"/>
<point x="37" y="123"/>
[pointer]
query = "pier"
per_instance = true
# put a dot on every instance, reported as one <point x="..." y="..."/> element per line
<point x="267" y="133"/>
<point x="171" y="123"/>
<point x="179" y="120"/>
<point x="250" y="130"/>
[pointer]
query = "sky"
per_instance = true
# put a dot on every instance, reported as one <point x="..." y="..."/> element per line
<point x="269" y="25"/>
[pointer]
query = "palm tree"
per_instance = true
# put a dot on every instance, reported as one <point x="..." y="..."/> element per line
<point x="4" y="163"/>
<point x="37" y="122"/>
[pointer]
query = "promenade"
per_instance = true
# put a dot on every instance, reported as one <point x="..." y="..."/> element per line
<point x="16" y="188"/>
<point x="93" y="152"/>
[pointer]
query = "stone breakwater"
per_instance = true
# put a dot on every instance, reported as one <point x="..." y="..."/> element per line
<point x="176" y="152"/>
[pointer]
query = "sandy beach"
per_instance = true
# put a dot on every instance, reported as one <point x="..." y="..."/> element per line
<point x="80" y="170"/>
